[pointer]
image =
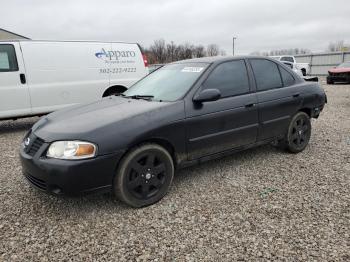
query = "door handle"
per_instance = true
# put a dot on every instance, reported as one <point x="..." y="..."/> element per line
<point x="249" y="105"/>
<point x="23" y="78"/>
<point x="296" y="95"/>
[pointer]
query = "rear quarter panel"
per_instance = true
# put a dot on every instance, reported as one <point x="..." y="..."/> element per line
<point x="313" y="95"/>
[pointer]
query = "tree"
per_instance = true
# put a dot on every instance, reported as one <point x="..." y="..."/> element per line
<point x="213" y="50"/>
<point x="159" y="51"/>
<point x="336" y="46"/>
<point x="171" y="52"/>
<point x="222" y="52"/>
<point x="199" y="51"/>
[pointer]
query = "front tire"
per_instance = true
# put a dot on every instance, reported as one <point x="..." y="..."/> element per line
<point x="299" y="133"/>
<point x="144" y="175"/>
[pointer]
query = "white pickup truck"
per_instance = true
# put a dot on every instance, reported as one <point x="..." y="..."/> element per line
<point x="303" y="67"/>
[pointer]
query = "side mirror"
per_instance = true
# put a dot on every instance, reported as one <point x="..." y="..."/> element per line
<point x="207" y="95"/>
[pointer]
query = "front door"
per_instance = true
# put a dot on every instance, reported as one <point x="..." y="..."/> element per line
<point x="231" y="121"/>
<point x="14" y="93"/>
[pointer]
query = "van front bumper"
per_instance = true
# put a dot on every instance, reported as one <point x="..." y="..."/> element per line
<point x="70" y="177"/>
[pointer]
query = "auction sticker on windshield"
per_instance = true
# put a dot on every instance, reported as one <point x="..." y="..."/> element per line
<point x="192" y="69"/>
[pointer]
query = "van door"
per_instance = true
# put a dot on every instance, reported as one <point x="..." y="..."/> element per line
<point x="14" y="93"/>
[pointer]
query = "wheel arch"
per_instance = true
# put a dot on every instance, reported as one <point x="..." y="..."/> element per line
<point x="306" y="110"/>
<point x="159" y="141"/>
<point x="114" y="89"/>
<point x="163" y="143"/>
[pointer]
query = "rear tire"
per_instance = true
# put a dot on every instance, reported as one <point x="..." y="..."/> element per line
<point x="299" y="133"/>
<point x="144" y="175"/>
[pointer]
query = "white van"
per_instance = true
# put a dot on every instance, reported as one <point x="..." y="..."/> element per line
<point x="38" y="77"/>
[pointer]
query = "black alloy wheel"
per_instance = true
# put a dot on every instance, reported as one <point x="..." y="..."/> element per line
<point x="299" y="132"/>
<point x="144" y="175"/>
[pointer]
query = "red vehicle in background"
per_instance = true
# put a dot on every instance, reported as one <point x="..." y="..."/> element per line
<point x="341" y="73"/>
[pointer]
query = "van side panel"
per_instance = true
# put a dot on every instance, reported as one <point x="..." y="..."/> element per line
<point x="127" y="66"/>
<point x="61" y="74"/>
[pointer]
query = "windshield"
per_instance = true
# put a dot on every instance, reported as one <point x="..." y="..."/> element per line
<point x="346" y="64"/>
<point x="168" y="83"/>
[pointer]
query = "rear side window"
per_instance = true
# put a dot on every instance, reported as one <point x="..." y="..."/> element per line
<point x="267" y="75"/>
<point x="230" y="78"/>
<point x="8" y="61"/>
<point x="288" y="78"/>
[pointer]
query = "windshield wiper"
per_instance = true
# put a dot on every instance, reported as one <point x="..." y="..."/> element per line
<point x="146" y="97"/>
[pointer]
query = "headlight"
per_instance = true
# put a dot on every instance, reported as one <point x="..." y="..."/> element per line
<point x="71" y="150"/>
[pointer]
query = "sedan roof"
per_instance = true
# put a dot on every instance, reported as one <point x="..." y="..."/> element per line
<point x="216" y="59"/>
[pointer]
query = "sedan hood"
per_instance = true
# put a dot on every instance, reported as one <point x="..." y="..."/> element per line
<point x="340" y="70"/>
<point x="115" y="115"/>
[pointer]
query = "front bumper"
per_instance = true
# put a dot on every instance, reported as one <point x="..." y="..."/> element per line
<point x="345" y="78"/>
<point x="70" y="177"/>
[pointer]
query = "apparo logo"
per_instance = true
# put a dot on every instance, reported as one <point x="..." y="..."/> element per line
<point x="114" y="54"/>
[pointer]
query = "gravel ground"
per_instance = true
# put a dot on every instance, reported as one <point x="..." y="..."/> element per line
<point x="261" y="204"/>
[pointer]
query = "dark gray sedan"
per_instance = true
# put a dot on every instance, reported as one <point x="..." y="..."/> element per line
<point x="182" y="114"/>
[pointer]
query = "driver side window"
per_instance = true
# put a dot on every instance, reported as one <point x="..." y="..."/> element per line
<point x="8" y="61"/>
<point x="230" y="78"/>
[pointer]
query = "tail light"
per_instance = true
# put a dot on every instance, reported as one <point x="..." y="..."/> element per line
<point x="145" y="61"/>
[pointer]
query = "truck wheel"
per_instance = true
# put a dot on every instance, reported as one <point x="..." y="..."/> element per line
<point x="299" y="133"/>
<point x="303" y="70"/>
<point x="144" y="175"/>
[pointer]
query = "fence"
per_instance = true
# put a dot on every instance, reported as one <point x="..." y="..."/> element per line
<point x="320" y="63"/>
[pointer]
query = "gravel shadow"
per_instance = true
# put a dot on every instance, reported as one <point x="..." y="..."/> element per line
<point x="9" y="126"/>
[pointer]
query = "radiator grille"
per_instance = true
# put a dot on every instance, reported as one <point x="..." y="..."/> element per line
<point x="34" y="145"/>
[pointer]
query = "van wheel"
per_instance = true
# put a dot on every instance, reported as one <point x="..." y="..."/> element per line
<point x="299" y="133"/>
<point x="144" y="175"/>
<point x="303" y="71"/>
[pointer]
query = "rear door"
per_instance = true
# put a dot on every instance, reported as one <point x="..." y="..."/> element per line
<point x="278" y="97"/>
<point x="14" y="94"/>
<point x="231" y="121"/>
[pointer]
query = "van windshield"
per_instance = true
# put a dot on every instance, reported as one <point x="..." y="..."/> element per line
<point x="169" y="83"/>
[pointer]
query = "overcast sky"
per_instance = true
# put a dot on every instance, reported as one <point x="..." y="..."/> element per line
<point x="257" y="24"/>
